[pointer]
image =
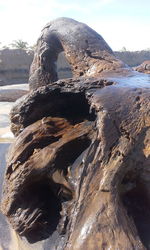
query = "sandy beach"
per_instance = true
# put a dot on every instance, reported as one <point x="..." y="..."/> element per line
<point x="6" y="137"/>
<point x="8" y="94"/>
<point x="8" y="238"/>
<point x="5" y="237"/>
<point x="5" y="133"/>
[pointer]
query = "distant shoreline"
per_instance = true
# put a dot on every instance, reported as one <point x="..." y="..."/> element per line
<point x="10" y="93"/>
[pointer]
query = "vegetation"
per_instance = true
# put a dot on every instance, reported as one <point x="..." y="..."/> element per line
<point x="19" y="44"/>
<point x="132" y="58"/>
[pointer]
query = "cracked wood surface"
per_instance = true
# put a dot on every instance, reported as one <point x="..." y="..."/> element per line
<point x="78" y="173"/>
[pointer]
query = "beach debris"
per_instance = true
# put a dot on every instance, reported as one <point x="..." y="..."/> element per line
<point x="78" y="172"/>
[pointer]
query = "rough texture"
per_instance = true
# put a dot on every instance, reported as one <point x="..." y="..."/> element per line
<point x="54" y="99"/>
<point x="144" y="67"/>
<point x="78" y="173"/>
<point x="86" y="51"/>
<point x="92" y="165"/>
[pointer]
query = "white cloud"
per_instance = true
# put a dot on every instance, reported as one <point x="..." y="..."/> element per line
<point x="129" y="33"/>
<point x="25" y="19"/>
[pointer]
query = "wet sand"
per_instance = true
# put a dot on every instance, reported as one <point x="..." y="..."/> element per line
<point x="10" y="93"/>
<point x="8" y="238"/>
<point x="5" y="133"/>
<point x="5" y="237"/>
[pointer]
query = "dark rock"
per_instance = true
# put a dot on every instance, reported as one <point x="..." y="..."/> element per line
<point x="78" y="172"/>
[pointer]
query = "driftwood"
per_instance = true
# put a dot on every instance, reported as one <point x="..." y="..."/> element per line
<point x="144" y="67"/>
<point x="78" y="173"/>
<point x="85" y="50"/>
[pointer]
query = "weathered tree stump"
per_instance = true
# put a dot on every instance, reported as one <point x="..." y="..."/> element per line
<point x="143" y="67"/>
<point x="78" y="173"/>
<point x="86" y="51"/>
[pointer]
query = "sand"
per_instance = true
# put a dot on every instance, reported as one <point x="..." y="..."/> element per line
<point x="6" y="137"/>
<point x="10" y="93"/>
<point x="5" y="133"/>
<point x="5" y="237"/>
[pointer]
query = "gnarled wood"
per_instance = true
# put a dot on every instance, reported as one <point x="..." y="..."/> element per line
<point x="85" y="50"/>
<point x="78" y="173"/>
<point x="143" y="67"/>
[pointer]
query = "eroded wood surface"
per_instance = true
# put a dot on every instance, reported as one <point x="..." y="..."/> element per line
<point x="78" y="173"/>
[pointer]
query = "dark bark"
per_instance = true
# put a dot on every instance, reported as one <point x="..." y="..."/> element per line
<point x="78" y="172"/>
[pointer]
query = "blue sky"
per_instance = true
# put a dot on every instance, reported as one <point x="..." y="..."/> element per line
<point x="120" y="22"/>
